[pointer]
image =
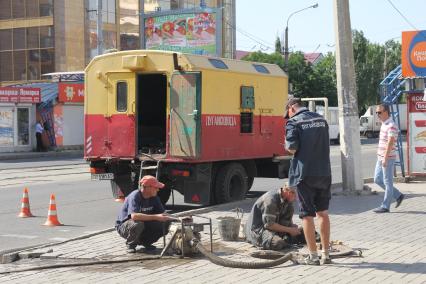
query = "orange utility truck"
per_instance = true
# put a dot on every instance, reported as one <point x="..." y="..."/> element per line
<point x="204" y="126"/>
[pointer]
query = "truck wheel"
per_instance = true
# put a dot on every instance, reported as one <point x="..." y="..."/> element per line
<point x="231" y="183"/>
<point x="122" y="185"/>
<point x="164" y="194"/>
<point x="370" y="134"/>
<point x="250" y="181"/>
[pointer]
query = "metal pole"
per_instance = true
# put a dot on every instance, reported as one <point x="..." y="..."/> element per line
<point x="350" y="146"/>
<point x="286" y="34"/>
<point x="142" y="24"/>
<point x="99" y="28"/>
<point x="286" y="49"/>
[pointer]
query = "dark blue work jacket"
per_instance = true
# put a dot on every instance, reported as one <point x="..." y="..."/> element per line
<point x="307" y="133"/>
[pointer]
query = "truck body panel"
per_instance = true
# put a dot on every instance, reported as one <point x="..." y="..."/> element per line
<point x="179" y="115"/>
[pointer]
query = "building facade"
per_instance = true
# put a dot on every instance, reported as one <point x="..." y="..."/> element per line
<point x="44" y="36"/>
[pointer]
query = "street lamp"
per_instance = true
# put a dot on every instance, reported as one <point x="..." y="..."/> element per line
<point x="286" y="34"/>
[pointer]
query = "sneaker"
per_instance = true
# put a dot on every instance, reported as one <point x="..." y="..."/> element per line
<point x="325" y="260"/>
<point x="381" y="210"/>
<point x="311" y="261"/>
<point x="131" y="248"/>
<point x="399" y="200"/>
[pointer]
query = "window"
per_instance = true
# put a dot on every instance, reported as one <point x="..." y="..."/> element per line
<point x="23" y="126"/>
<point x="32" y="37"/>
<point x="18" y="9"/>
<point x="46" y="8"/>
<point x="261" y="69"/>
<point x="5" y="9"/>
<point x="6" y="70"/>
<point x="6" y="39"/>
<point x="218" y="63"/>
<point x="32" y="10"/>
<point x="246" y="122"/>
<point x="46" y="37"/>
<point x="122" y="96"/>
<point x="19" y="38"/>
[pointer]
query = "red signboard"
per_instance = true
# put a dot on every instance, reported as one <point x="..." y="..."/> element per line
<point x="71" y="93"/>
<point x="20" y="95"/>
<point x="416" y="135"/>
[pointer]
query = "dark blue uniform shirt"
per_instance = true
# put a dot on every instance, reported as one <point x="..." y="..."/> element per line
<point x="307" y="133"/>
<point x="136" y="203"/>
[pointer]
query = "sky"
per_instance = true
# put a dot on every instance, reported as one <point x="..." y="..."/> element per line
<point x="312" y="30"/>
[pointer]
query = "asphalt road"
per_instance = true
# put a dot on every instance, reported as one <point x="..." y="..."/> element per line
<point x="85" y="206"/>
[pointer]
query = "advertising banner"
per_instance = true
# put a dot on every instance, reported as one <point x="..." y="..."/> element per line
<point x="71" y="93"/>
<point x="194" y="33"/>
<point x="416" y="134"/>
<point x="20" y="95"/>
<point x="413" y="54"/>
<point x="6" y="127"/>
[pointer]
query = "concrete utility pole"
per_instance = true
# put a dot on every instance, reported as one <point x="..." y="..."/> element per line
<point x="99" y="28"/>
<point x="350" y="144"/>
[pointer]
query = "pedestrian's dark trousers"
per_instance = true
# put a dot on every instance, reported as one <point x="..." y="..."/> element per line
<point x="39" y="142"/>
<point x="142" y="233"/>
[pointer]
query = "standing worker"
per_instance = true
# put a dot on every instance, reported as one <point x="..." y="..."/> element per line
<point x="39" y="130"/>
<point x="142" y="220"/>
<point x="386" y="154"/>
<point x="307" y="139"/>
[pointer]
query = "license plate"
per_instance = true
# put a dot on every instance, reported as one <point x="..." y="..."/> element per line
<point x="105" y="176"/>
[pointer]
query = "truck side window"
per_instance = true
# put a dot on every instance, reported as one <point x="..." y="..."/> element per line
<point x="121" y="96"/>
<point x="246" y="122"/>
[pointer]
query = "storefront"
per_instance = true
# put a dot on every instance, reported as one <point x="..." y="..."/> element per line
<point x="18" y="118"/>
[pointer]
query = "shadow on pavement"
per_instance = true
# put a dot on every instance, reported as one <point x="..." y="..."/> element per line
<point x="418" y="267"/>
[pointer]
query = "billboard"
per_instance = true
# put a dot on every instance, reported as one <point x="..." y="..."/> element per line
<point x="413" y="55"/>
<point x="20" y="95"/>
<point x="193" y="32"/>
<point x="71" y="93"/>
<point x="6" y="126"/>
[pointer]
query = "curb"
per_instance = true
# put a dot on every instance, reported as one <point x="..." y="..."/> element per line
<point x="32" y="155"/>
<point x="14" y="254"/>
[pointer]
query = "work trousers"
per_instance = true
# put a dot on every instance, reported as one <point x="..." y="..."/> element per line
<point x="142" y="233"/>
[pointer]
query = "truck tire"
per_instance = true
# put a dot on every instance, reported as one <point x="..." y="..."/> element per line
<point x="250" y="181"/>
<point x="231" y="183"/>
<point x="164" y="194"/>
<point x="122" y="185"/>
<point x="370" y="134"/>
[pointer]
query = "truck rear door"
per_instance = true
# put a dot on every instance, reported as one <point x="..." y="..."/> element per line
<point x="185" y="114"/>
<point x="121" y="124"/>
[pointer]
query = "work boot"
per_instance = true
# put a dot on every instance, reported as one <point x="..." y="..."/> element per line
<point x="149" y="247"/>
<point x="399" y="200"/>
<point x="131" y="249"/>
<point x="311" y="261"/>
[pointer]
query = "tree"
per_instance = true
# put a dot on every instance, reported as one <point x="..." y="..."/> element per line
<point x="278" y="47"/>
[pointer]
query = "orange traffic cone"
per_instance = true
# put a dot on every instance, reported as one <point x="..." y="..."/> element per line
<point x="52" y="218"/>
<point x="25" y="206"/>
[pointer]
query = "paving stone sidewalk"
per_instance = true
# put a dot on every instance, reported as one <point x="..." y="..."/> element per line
<point x="393" y="247"/>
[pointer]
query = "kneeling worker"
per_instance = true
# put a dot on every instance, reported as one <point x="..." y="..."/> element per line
<point x="270" y="224"/>
<point x="141" y="219"/>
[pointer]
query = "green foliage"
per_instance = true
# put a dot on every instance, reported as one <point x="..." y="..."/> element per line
<point x="372" y="63"/>
<point x="278" y="47"/>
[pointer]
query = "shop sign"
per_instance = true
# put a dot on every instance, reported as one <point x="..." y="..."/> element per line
<point x="71" y="93"/>
<point x="416" y="134"/>
<point x="20" y="95"/>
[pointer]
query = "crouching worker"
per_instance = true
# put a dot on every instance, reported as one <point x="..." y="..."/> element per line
<point x="142" y="220"/>
<point x="270" y="225"/>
